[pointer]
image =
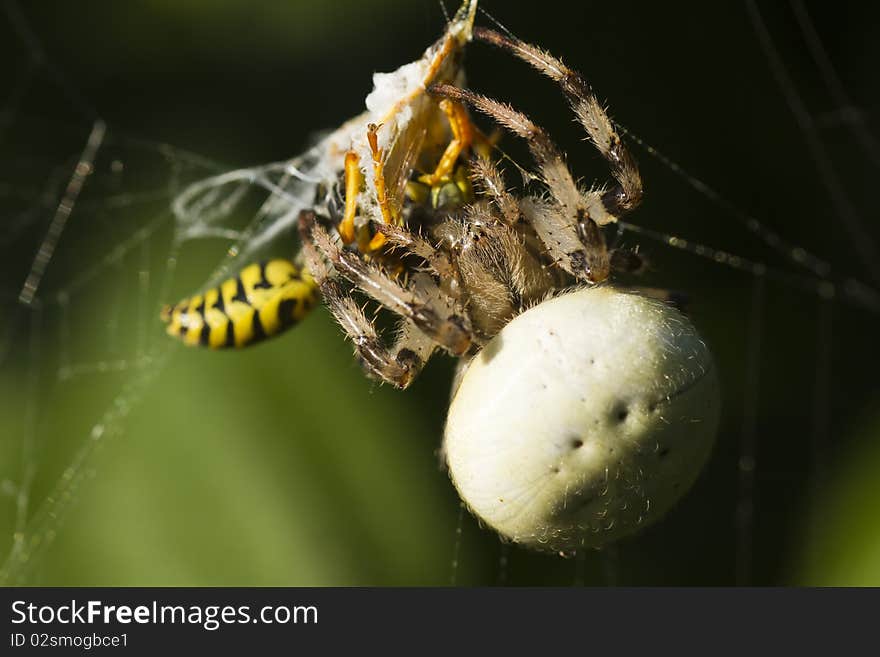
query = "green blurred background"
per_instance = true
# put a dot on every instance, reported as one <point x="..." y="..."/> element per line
<point x="283" y="465"/>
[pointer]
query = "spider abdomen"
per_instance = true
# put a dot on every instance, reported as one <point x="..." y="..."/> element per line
<point x="585" y="419"/>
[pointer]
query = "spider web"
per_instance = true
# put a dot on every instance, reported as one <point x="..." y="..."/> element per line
<point x="101" y="228"/>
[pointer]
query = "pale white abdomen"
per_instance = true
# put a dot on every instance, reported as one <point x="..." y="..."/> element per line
<point x="585" y="419"/>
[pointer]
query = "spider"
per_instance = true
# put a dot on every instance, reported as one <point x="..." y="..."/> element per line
<point x="581" y="411"/>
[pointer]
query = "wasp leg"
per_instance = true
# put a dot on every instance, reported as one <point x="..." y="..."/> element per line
<point x="462" y="137"/>
<point x="449" y="329"/>
<point x="378" y="240"/>
<point x="354" y="180"/>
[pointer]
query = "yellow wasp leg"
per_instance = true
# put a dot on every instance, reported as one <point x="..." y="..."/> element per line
<point x="381" y="192"/>
<point x="462" y="137"/>
<point x="354" y="180"/>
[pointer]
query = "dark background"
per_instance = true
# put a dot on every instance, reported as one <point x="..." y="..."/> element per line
<point x="283" y="465"/>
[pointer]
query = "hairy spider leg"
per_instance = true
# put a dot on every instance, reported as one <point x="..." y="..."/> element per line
<point x="398" y="364"/>
<point x="626" y="195"/>
<point x="412" y="301"/>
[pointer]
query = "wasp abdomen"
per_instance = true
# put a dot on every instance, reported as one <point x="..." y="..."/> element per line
<point x="262" y="301"/>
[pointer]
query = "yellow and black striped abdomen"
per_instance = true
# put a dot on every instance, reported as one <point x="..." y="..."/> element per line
<point x="264" y="300"/>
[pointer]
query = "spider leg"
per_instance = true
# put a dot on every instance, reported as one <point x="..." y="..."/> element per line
<point x="569" y="224"/>
<point x="627" y="194"/>
<point x="397" y="365"/>
<point x="438" y="262"/>
<point x="487" y="176"/>
<point x="450" y="330"/>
